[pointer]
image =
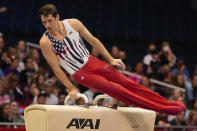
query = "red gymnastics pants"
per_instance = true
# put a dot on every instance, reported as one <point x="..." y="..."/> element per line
<point x="103" y="77"/>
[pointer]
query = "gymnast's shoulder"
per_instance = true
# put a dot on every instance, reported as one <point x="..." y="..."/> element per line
<point x="73" y="20"/>
<point x="44" y="40"/>
<point x="76" y="23"/>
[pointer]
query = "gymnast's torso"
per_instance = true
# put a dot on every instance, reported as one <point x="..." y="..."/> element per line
<point x="71" y="51"/>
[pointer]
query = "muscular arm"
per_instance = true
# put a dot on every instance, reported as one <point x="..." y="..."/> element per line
<point x="52" y="60"/>
<point x="95" y="43"/>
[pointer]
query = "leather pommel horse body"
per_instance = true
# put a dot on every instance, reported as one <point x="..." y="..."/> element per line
<point x="80" y="118"/>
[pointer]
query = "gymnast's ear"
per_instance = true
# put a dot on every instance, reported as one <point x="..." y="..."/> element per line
<point x="57" y="17"/>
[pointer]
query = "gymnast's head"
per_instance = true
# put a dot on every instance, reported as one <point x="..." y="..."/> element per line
<point x="49" y="16"/>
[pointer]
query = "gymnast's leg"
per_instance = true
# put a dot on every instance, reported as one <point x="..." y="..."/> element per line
<point x="113" y="75"/>
<point x="119" y="92"/>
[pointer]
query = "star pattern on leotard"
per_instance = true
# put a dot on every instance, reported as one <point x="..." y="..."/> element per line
<point x="57" y="44"/>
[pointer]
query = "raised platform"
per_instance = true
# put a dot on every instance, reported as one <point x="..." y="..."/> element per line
<point x="75" y="118"/>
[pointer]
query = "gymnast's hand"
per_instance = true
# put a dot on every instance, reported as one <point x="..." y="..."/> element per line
<point x="73" y="93"/>
<point x="118" y="63"/>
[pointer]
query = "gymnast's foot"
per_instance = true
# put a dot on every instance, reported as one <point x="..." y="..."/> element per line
<point x="175" y="103"/>
<point x="172" y="110"/>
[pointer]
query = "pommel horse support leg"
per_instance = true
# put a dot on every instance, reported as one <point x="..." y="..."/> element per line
<point x="95" y="118"/>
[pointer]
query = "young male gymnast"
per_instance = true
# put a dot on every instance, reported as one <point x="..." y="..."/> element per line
<point x="62" y="46"/>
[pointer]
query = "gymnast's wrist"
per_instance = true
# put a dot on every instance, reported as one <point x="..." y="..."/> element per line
<point x="111" y="60"/>
<point x="70" y="89"/>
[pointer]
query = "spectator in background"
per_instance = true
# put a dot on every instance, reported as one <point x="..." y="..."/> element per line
<point x="172" y="117"/>
<point x="181" y="68"/>
<point x="4" y="98"/>
<point x="12" y="52"/>
<point x="138" y="71"/>
<point x="194" y="86"/>
<point x="146" y="82"/>
<point x="13" y="66"/>
<point x="41" y="98"/>
<point x="176" y="93"/>
<point x="44" y="69"/>
<point x="14" y="89"/>
<point x="26" y="78"/>
<point x="40" y="81"/>
<point x="179" y="121"/>
<point x="2" y="76"/>
<point x="35" y="56"/>
<point x="61" y="97"/>
<point x="51" y="99"/>
<point x="185" y="84"/>
<point x="104" y="102"/>
<point x="2" y="45"/>
<point x="51" y="77"/>
<point x="27" y="74"/>
<point x="151" y="51"/>
<point x="168" y="76"/>
<point x="16" y="117"/>
<point x="56" y="88"/>
<point x="115" y="52"/>
<point x="179" y="81"/>
<point x="5" y="115"/>
<point x="161" y="119"/>
<point x="33" y="93"/>
<point x="21" y="50"/>
<point x="80" y="101"/>
<point x="123" y="57"/>
<point x="180" y="99"/>
<point x="166" y="54"/>
<point x="193" y="109"/>
<point x="192" y="120"/>
<point x="5" y="61"/>
<point x="153" y="70"/>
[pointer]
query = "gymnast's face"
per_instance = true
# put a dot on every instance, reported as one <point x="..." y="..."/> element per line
<point x="50" y="22"/>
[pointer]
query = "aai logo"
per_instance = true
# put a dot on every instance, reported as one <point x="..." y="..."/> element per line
<point x="80" y="123"/>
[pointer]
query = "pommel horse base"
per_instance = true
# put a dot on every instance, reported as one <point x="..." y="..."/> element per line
<point x="92" y="118"/>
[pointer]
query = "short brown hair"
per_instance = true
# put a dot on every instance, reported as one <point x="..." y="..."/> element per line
<point x="48" y="9"/>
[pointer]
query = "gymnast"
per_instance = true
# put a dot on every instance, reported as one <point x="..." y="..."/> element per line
<point x="63" y="48"/>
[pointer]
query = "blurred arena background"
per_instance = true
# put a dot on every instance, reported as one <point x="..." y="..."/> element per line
<point x="127" y="28"/>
